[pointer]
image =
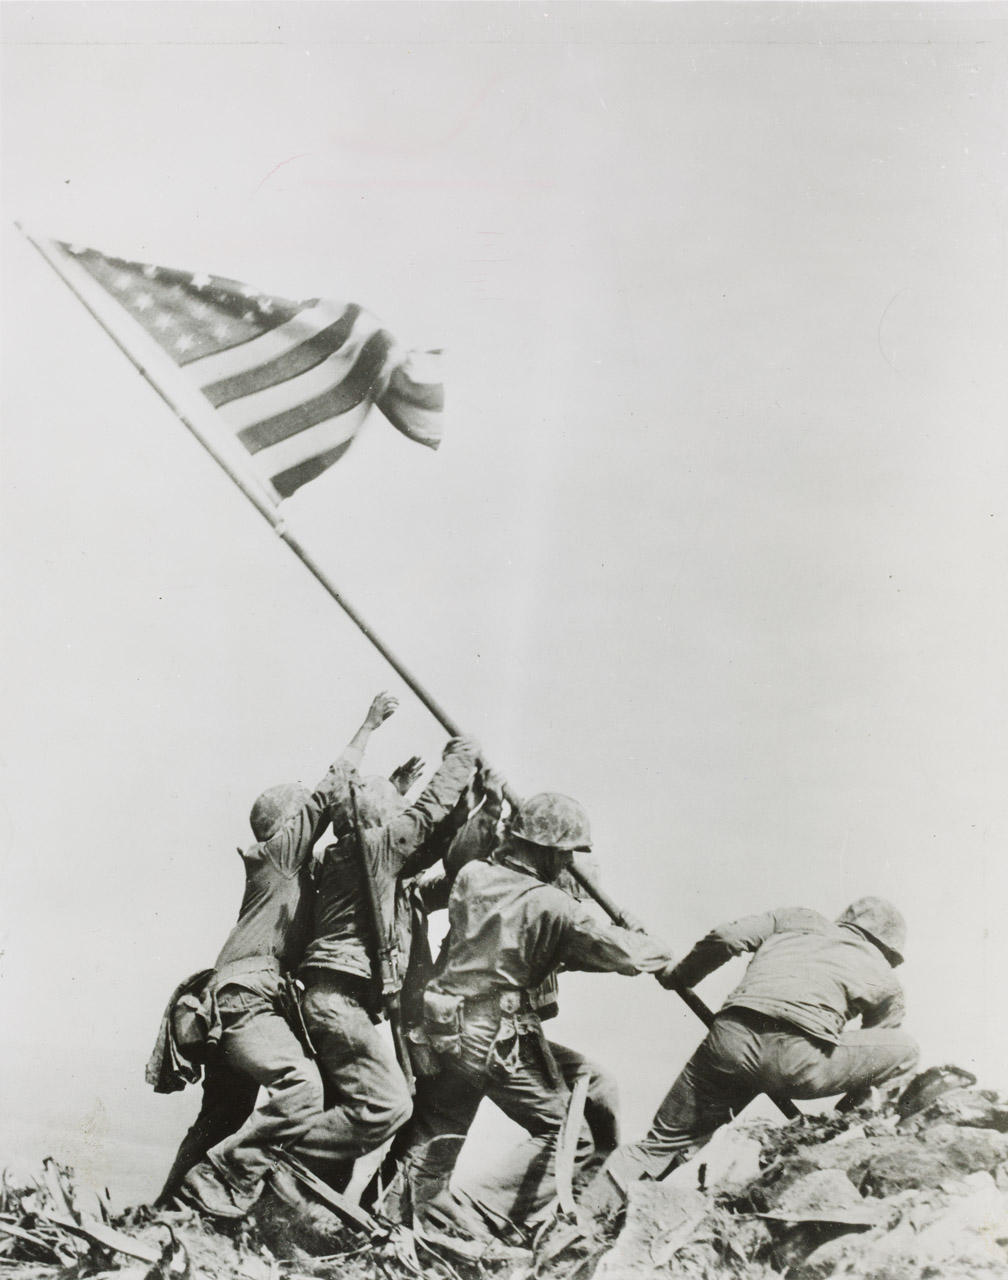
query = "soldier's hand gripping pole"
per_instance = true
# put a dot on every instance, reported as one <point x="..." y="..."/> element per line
<point x="384" y="958"/>
<point x="688" y="997"/>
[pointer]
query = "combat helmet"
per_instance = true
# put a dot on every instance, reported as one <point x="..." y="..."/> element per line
<point x="378" y="803"/>
<point x="552" y="821"/>
<point x="276" y="804"/>
<point x="880" y="922"/>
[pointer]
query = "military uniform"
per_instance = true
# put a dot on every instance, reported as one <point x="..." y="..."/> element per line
<point x="782" y="1031"/>
<point x="445" y="1103"/>
<point x="508" y="930"/>
<point x="368" y="1095"/>
<point x="256" y="1042"/>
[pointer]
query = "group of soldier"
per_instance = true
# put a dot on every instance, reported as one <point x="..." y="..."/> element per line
<point x="298" y="1073"/>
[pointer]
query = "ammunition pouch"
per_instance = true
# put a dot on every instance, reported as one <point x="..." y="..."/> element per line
<point x="443" y="1022"/>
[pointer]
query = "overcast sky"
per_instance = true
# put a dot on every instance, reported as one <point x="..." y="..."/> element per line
<point x="716" y="541"/>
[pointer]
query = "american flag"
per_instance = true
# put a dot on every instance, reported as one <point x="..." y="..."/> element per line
<point x="292" y="382"/>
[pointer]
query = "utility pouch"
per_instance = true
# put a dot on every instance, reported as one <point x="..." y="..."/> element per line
<point x="443" y="1021"/>
<point x="425" y="1060"/>
<point x="189" y="1026"/>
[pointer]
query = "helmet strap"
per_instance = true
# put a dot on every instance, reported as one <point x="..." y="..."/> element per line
<point x="532" y="859"/>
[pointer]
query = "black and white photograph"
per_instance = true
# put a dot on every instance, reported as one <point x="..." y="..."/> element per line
<point x="505" y="640"/>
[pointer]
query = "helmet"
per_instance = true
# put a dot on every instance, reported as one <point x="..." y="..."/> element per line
<point x="275" y="806"/>
<point x="378" y="802"/>
<point x="880" y="921"/>
<point x="551" y="820"/>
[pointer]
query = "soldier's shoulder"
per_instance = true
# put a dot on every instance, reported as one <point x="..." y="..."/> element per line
<point x="803" y="920"/>
<point x="476" y="870"/>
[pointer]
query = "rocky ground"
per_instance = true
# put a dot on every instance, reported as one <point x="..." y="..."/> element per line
<point x="912" y="1189"/>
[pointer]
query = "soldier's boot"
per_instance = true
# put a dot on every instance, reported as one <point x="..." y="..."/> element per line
<point x="288" y="1216"/>
<point x="206" y="1189"/>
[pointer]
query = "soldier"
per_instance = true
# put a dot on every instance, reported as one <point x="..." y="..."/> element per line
<point x="229" y="1097"/>
<point x="510" y="926"/>
<point x="446" y="1104"/>
<point x="245" y="990"/>
<point x="782" y="1031"/>
<point x="368" y="1092"/>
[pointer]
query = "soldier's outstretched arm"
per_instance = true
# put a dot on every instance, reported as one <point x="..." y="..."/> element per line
<point x="382" y="706"/>
<point x="587" y="944"/>
<point x="406" y="836"/>
<point x="728" y="940"/>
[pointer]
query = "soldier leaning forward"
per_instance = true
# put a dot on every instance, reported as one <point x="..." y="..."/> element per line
<point x="782" y="1031"/>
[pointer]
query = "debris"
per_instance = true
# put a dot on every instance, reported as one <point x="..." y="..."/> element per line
<point x="958" y="1234"/>
<point x="36" y="1242"/>
<point x="352" y="1214"/>
<point x="923" y="1089"/>
<point x="174" y="1261"/>
<point x="824" y="1196"/>
<point x="105" y="1236"/>
<point x="928" y="1159"/>
<point x="975" y="1108"/>
<point x="660" y="1219"/>
<point x="876" y="1196"/>
<point x="54" y="1182"/>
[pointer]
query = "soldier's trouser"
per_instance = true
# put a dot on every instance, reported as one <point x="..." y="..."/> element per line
<point x="447" y="1103"/>
<point x="256" y="1043"/>
<point x="744" y="1055"/>
<point x="368" y="1097"/>
<point x="529" y="1096"/>
<point x="228" y="1101"/>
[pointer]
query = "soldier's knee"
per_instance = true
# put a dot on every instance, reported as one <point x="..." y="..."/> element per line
<point x="400" y="1112"/>
<point x="385" y="1115"/>
<point x="304" y="1082"/>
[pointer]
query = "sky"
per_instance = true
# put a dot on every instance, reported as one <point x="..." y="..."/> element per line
<point x="716" y="541"/>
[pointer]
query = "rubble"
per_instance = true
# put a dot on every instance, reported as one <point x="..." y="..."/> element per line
<point x="890" y="1192"/>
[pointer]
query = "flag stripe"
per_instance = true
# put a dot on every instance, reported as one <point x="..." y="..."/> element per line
<point x="288" y="482"/>
<point x="356" y="386"/>
<point x="289" y="364"/>
<point x="289" y="383"/>
<point x="306" y="444"/>
<point x="272" y="401"/>
<point x="266" y="346"/>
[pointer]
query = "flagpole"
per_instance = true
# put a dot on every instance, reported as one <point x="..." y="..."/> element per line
<point x="198" y="417"/>
<point x="432" y="705"/>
